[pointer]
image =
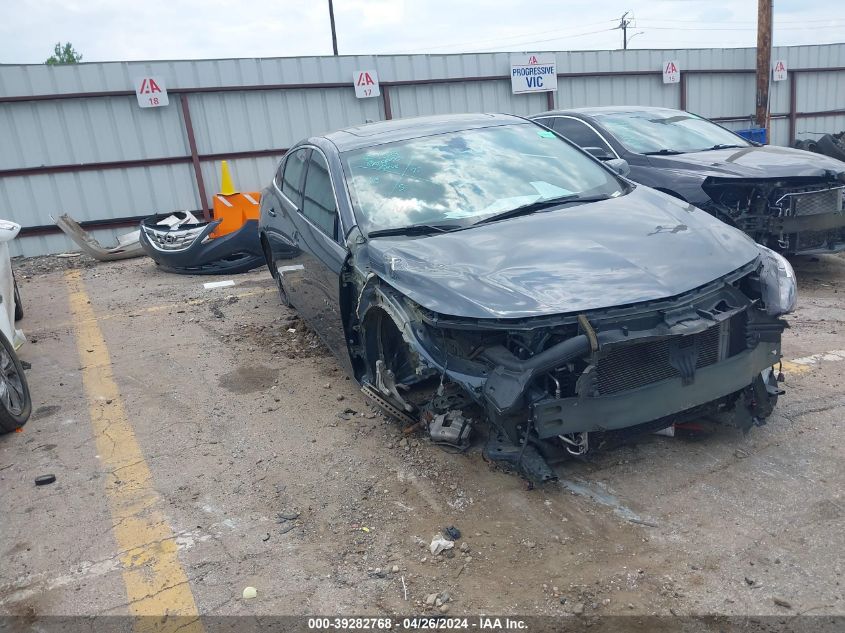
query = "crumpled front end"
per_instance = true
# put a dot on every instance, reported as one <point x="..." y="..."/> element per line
<point x="556" y="382"/>
<point x="801" y="216"/>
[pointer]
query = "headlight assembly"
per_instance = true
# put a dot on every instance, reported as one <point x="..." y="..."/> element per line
<point x="777" y="278"/>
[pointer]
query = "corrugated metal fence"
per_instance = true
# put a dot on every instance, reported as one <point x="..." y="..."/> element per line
<point x="73" y="139"/>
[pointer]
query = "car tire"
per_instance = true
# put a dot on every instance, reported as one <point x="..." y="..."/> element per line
<point x="15" y="400"/>
<point x="799" y="144"/>
<point x="831" y="146"/>
<point x="18" y="302"/>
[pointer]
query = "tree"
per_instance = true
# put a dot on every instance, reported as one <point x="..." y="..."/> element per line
<point x="63" y="55"/>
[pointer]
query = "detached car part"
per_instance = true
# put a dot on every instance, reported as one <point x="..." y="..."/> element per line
<point x="127" y="246"/>
<point x="479" y="267"/>
<point x="180" y="243"/>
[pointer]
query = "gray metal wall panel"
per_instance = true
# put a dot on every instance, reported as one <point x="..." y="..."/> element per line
<point x="648" y="90"/>
<point x="95" y="195"/>
<point x="114" y="128"/>
<point x="476" y="96"/>
<point x="88" y="131"/>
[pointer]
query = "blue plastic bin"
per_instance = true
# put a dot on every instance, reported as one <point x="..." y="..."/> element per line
<point x="755" y="134"/>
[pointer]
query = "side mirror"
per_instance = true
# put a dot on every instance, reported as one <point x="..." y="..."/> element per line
<point x="599" y="152"/>
<point x="619" y="165"/>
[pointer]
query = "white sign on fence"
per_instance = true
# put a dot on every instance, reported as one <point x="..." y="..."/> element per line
<point x="366" y="83"/>
<point x="671" y="72"/>
<point x="779" y="73"/>
<point x="533" y="73"/>
<point x="151" y="92"/>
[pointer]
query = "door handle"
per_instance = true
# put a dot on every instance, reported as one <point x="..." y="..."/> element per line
<point x="271" y="212"/>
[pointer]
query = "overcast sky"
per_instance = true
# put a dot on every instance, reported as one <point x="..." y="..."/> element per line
<point x="193" y="29"/>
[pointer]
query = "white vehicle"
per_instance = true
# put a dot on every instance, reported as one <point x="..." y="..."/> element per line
<point x="15" y="401"/>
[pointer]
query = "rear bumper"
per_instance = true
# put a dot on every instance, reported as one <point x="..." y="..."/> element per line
<point x="658" y="400"/>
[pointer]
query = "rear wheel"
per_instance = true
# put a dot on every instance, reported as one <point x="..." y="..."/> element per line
<point x="15" y="401"/>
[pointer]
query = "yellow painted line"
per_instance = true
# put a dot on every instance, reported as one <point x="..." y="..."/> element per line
<point x="156" y="583"/>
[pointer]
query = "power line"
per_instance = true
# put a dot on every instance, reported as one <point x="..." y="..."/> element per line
<point x="500" y="39"/>
<point x="742" y="28"/>
<point x="553" y="39"/>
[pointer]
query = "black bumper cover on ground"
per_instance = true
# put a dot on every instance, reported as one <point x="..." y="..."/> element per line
<point x="230" y="254"/>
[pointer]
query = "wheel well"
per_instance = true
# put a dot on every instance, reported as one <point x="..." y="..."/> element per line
<point x="268" y="254"/>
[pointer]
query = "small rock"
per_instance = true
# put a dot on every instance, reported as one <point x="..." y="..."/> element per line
<point x="578" y="609"/>
<point x="468" y="559"/>
<point x="339" y="397"/>
<point x="444" y="608"/>
<point x="395" y="569"/>
<point x="430" y="599"/>
<point x="438" y="602"/>
<point x="630" y="605"/>
<point x="782" y="603"/>
<point x="445" y="596"/>
<point x="249" y="593"/>
<point x="606" y="601"/>
<point x="563" y="599"/>
<point x="464" y="546"/>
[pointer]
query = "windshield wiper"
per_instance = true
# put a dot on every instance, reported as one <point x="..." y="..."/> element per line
<point x="663" y="152"/>
<point x="722" y="146"/>
<point x="539" y="205"/>
<point x="413" y="229"/>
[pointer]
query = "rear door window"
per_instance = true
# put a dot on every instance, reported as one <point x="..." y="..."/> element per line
<point x="292" y="177"/>
<point x="319" y="205"/>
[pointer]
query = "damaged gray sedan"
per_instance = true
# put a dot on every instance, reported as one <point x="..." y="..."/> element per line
<point x="472" y="269"/>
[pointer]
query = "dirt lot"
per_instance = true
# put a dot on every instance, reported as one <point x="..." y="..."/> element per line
<point x="260" y="464"/>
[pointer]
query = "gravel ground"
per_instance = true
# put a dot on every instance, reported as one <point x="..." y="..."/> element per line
<point x="274" y="473"/>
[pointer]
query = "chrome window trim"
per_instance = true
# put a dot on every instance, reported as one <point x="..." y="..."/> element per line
<point x="341" y="228"/>
<point x="589" y="125"/>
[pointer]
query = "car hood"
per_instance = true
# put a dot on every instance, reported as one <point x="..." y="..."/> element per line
<point x="753" y="162"/>
<point x="639" y="247"/>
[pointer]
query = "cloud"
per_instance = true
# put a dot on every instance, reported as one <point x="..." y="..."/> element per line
<point x="194" y="29"/>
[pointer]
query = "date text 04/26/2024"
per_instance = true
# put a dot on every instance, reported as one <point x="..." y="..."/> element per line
<point x="482" y="623"/>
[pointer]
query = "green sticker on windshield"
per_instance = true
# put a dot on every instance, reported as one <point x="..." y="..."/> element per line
<point x="545" y="134"/>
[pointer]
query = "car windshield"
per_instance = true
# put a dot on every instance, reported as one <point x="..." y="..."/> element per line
<point x="456" y="179"/>
<point x="666" y="131"/>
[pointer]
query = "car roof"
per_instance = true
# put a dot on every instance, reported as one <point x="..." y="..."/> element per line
<point x="605" y="110"/>
<point x="371" y="134"/>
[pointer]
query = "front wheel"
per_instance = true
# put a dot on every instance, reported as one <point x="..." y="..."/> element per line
<point x="15" y="401"/>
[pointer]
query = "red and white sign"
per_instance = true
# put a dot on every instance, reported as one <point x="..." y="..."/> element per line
<point x="671" y="72"/>
<point x="366" y="83"/>
<point x="779" y="72"/>
<point x="151" y="92"/>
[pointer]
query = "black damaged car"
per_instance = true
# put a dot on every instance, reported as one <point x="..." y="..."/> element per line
<point x="788" y="199"/>
<point x="472" y="269"/>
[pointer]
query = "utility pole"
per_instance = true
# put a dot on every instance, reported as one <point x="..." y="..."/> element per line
<point x="764" y="62"/>
<point x="624" y="24"/>
<point x="334" y="34"/>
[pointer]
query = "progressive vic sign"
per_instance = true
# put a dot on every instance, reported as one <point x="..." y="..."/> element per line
<point x="533" y="73"/>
